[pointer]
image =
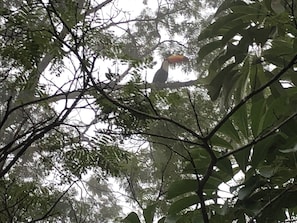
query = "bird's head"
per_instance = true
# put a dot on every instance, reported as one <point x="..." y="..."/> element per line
<point x="176" y="59"/>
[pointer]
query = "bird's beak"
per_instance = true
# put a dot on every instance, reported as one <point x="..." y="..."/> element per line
<point x="177" y="59"/>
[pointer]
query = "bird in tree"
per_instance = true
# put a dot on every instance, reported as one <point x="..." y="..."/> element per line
<point x="162" y="74"/>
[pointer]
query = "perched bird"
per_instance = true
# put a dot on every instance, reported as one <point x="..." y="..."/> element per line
<point x="162" y="74"/>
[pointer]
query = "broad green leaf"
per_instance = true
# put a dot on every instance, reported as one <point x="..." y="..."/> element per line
<point x="257" y="115"/>
<point x="290" y="150"/>
<point x="259" y="35"/>
<point x="242" y="49"/>
<point x="198" y="153"/>
<point x="256" y="74"/>
<point x="225" y="166"/>
<point x="208" y="48"/>
<point x="229" y="130"/>
<point x="132" y="218"/>
<point x="149" y="212"/>
<point x="242" y="85"/>
<point x="214" y="181"/>
<point x="240" y="119"/>
<point x="260" y="150"/>
<point x="267" y="171"/>
<point x="216" y="28"/>
<point x="242" y="158"/>
<point x="221" y="142"/>
<point x="249" y="186"/>
<point x="200" y="166"/>
<point x="250" y="9"/>
<point x="162" y="220"/>
<point x="215" y="86"/>
<point x="172" y="219"/>
<point x="200" y="159"/>
<point x="234" y="31"/>
<point x="183" y="203"/>
<point x="227" y="4"/>
<point x="181" y="187"/>
<point x="197" y="217"/>
<point x="218" y="177"/>
<point x="281" y="51"/>
<point x="278" y="109"/>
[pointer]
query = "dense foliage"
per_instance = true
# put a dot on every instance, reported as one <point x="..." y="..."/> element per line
<point x="78" y="112"/>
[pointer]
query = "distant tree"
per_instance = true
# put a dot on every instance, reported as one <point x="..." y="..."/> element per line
<point x="51" y="54"/>
<point x="242" y="139"/>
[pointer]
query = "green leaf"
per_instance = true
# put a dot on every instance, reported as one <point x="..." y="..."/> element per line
<point x="172" y="219"/>
<point x="267" y="171"/>
<point x="261" y="149"/>
<point x="240" y="119"/>
<point x="291" y="150"/>
<point x="225" y="166"/>
<point x="228" y="129"/>
<point x="258" y="108"/>
<point x="256" y="74"/>
<point x="132" y="218"/>
<point x="227" y="4"/>
<point x="182" y="204"/>
<point x="216" y="28"/>
<point x="233" y="31"/>
<point x="242" y="158"/>
<point x="278" y="109"/>
<point x="208" y="48"/>
<point x="243" y="81"/>
<point x="200" y="159"/>
<point x="162" y="220"/>
<point x="250" y="185"/>
<point x="200" y="166"/>
<point x="149" y="213"/>
<point x="221" y="142"/>
<point x="181" y="187"/>
<point x="250" y="9"/>
<point x="215" y="86"/>
<point x="214" y="181"/>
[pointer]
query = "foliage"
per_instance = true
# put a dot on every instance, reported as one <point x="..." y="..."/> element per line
<point x="50" y="54"/>
<point x="252" y="79"/>
<point x="77" y="110"/>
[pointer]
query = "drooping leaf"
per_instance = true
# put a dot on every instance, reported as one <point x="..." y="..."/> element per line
<point x="228" y="4"/>
<point x="181" y="187"/>
<point x="249" y="186"/>
<point x="172" y="219"/>
<point x="221" y="142"/>
<point x="149" y="212"/>
<point x="132" y="218"/>
<point x="182" y="204"/>
<point x="207" y="49"/>
<point x="229" y="130"/>
<point x="240" y="119"/>
<point x="242" y="158"/>
<point x="257" y="115"/>
<point x="267" y="171"/>
<point x="265" y="146"/>
<point x="225" y="166"/>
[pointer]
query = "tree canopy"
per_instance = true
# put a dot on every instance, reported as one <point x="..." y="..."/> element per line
<point x="79" y="113"/>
